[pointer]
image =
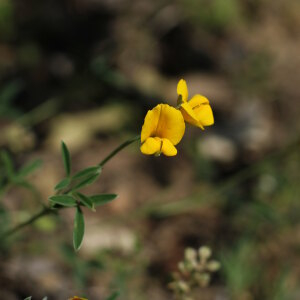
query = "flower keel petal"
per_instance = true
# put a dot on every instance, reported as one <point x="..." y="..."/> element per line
<point x="151" y="146"/>
<point x="168" y="148"/>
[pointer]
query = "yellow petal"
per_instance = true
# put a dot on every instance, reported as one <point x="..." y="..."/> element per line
<point x="150" y="123"/>
<point x="168" y="148"/>
<point x="182" y="90"/>
<point x="171" y="124"/>
<point x="202" y="110"/>
<point x="205" y="115"/>
<point x="197" y="100"/>
<point x="188" y="113"/>
<point x="151" y="146"/>
<point x="163" y="121"/>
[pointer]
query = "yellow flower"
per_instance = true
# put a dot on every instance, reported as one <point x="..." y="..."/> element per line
<point x="195" y="111"/>
<point x="163" y="129"/>
<point x="77" y="298"/>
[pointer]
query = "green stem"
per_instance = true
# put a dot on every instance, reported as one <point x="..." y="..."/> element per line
<point x="117" y="150"/>
<point x="47" y="210"/>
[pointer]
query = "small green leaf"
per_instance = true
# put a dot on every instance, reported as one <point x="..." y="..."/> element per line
<point x="66" y="158"/>
<point x="45" y="298"/>
<point x="62" y="184"/>
<point x="85" y="182"/>
<point x="8" y="164"/>
<point x="29" y="168"/>
<point x="28" y="298"/>
<point x="87" y="172"/>
<point x="113" y="296"/>
<point x="78" y="231"/>
<point x="86" y="201"/>
<point x="63" y="200"/>
<point x="102" y="198"/>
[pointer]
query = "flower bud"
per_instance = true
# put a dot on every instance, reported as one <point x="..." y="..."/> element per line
<point x="190" y="254"/>
<point x="181" y="267"/>
<point x="204" y="252"/>
<point x="183" y="286"/>
<point x="213" y="266"/>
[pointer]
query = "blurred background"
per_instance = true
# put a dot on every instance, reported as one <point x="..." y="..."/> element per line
<point x="86" y="72"/>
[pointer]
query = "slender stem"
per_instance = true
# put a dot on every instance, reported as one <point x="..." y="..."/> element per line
<point x="46" y="210"/>
<point x="118" y="149"/>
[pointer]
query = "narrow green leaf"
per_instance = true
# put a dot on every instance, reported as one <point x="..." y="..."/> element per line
<point x="87" y="172"/>
<point x="66" y="158"/>
<point x="113" y="296"/>
<point x="45" y="298"/>
<point x="102" y="199"/>
<point x="86" y="201"/>
<point x="28" y="298"/>
<point x="62" y="184"/>
<point x="78" y="231"/>
<point x="29" y="168"/>
<point x="8" y="164"/>
<point x="85" y="182"/>
<point x="63" y="200"/>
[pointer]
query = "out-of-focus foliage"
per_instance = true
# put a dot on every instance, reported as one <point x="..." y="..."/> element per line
<point x="215" y="15"/>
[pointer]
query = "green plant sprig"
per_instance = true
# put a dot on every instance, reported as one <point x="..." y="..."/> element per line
<point x="68" y="196"/>
<point x="12" y="177"/>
